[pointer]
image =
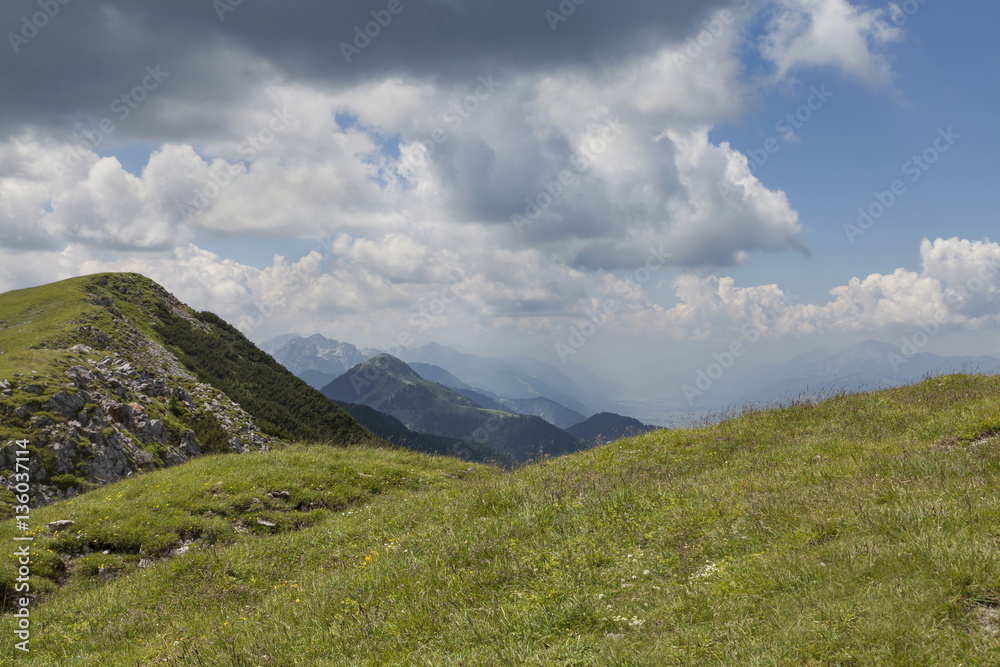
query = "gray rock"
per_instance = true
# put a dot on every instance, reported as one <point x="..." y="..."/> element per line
<point x="82" y="377"/>
<point x="62" y="524"/>
<point x="143" y="458"/>
<point x="21" y="413"/>
<point x="106" y="574"/>
<point x="190" y="444"/>
<point x="158" y="430"/>
<point x="110" y="462"/>
<point x="80" y="349"/>
<point x="266" y="524"/>
<point x="173" y="456"/>
<point x="66" y="456"/>
<point x="174" y="553"/>
<point x="39" y="422"/>
<point x="33" y="388"/>
<point x="279" y="494"/>
<point x="66" y="404"/>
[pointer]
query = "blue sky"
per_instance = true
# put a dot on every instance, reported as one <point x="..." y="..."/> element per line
<point x="264" y="177"/>
<point x="945" y="73"/>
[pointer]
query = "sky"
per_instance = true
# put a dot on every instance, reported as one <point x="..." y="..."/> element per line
<point x="630" y="186"/>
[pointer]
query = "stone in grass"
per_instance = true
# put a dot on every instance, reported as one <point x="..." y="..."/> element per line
<point x="266" y="524"/>
<point x="106" y="574"/>
<point x="143" y="458"/>
<point x="62" y="524"/>
<point x="279" y="494"/>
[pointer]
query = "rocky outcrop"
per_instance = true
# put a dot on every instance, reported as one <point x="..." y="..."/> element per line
<point x="110" y="416"/>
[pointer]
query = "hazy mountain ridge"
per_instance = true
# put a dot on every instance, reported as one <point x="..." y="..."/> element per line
<point x="317" y="360"/>
<point x="515" y="377"/>
<point x="607" y="427"/>
<point x="388" y="385"/>
<point x="549" y="410"/>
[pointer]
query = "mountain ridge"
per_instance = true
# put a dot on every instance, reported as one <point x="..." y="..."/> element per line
<point x="389" y="385"/>
<point x="109" y="375"/>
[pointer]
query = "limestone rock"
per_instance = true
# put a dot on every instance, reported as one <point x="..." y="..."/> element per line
<point x="67" y="404"/>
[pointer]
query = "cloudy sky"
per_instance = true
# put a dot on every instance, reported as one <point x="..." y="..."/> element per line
<point x="624" y="185"/>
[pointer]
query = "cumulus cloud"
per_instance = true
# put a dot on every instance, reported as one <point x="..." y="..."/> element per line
<point x="958" y="289"/>
<point x="415" y="164"/>
<point x="810" y="33"/>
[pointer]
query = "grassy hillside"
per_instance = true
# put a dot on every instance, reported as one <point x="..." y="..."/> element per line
<point x="860" y="531"/>
<point x="607" y="426"/>
<point x="135" y="375"/>
<point x="283" y="405"/>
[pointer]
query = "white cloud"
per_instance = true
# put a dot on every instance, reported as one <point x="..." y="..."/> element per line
<point x="958" y="289"/>
<point x="811" y="33"/>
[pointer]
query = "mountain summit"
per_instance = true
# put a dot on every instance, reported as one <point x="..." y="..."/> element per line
<point x="108" y="375"/>
<point x="389" y="385"/>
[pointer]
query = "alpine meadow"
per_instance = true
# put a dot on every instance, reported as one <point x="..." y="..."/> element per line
<point x="499" y="332"/>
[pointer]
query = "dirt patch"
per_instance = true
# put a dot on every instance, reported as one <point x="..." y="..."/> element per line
<point x="988" y="619"/>
<point x="952" y="443"/>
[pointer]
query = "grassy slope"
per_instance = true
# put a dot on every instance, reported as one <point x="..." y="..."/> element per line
<point x="31" y="317"/>
<point x="283" y="405"/>
<point x="37" y="324"/>
<point x="860" y="531"/>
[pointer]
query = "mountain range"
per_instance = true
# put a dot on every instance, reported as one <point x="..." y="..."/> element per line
<point x="388" y="385"/>
<point x="316" y="359"/>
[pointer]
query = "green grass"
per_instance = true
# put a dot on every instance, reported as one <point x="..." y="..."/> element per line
<point x="34" y="322"/>
<point x="120" y="313"/>
<point x="860" y="531"/>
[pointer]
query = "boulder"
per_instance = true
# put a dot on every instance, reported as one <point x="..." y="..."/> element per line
<point x="66" y="456"/>
<point x="66" y="404"/>
<point x="110" y="462"/>
<point x="62" y="524"/>
<point x="173" y="456"/>
<point x="82" y="377"/>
